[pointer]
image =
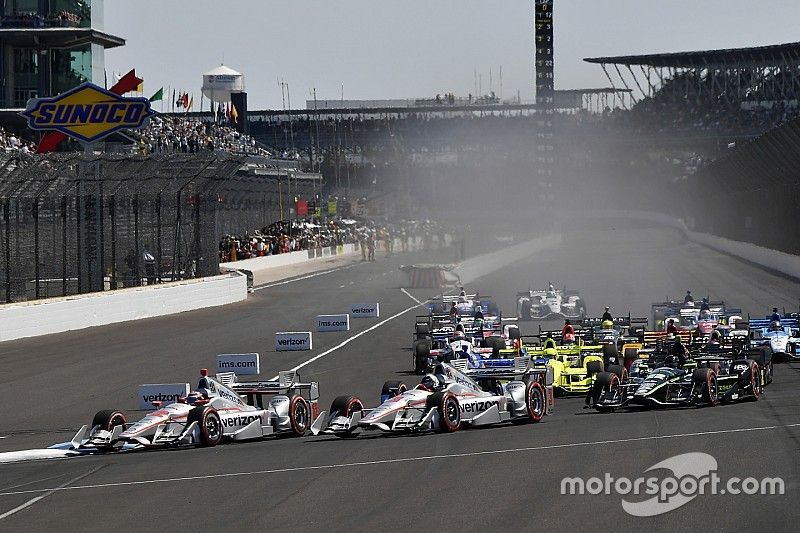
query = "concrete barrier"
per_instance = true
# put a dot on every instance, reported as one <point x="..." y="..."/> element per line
<point x="56" y="315"/>
<point x="778" y="261"/>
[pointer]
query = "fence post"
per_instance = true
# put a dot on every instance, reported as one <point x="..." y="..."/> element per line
<point x="7" y="224"/>
<point x="136" y="239"/>
<point x="78" y="232"/>
<point x="158" y="238"/>
<point x="112" y="213"/>
<point x="64" y="222"/>
<point x="36" y="246"/>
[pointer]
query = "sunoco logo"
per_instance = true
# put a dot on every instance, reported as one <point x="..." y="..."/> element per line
<point x="87" y="113"/>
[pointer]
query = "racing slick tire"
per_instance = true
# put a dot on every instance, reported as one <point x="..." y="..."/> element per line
<point x="610" y="354"/>
<point x="513" y="333"/>
<point x="593" y="368"/>
<point x="391" y="389"/>
<point x="499" y="344"/>
<point x="535" y="401"/>
<point x="422" y="331"/>
<point x="345" y="406"/>
<point x="209" y="425"/>
<point x="620" y="371"/>
<point x="706" y="378"/>
<point x="299" y="415"/>
<point x="604" y="382"/>
<point x="580" y="308"/>
<point x="422" y="352"/>
<point x="525" y="311"/>
<point x="107" y="419"/>
<point x="755" y="380"/>
<point x="446" y="404"/>
<point x="630" y="355"/>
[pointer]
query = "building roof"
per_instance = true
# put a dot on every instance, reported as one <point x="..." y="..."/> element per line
<point x="759" y="56"/>
<point x="222" y="70"/>
<point x="59" y="37"/>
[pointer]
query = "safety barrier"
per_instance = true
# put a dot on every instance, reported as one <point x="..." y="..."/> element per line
<point x="56" y="315"/>
<point x="785" y="263"/>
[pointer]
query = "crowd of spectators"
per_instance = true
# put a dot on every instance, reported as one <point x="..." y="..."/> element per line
<point x="302" y="234"/>
<point x="13" y="144"/>
<point x="174" y="135"/>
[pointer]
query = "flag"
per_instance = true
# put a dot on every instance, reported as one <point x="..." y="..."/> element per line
<point x="234" y="114"/>
<point x="140" y="87"/>
<point x="227" y="113"/>
<point x="174" y="102"/>
<point x="189" y="105"/>
<point x="185" y="100"/>
<point x="158" y="96"/>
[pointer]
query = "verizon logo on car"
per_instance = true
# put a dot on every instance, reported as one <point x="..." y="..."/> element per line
<point x="246" y="364"/>
<point x="165" y="393"/>
<point x="333" y="323"/>
<point x="365" y="310"/>
<point x="288" y="341"/>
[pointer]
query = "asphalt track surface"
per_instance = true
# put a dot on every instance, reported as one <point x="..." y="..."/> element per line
<point x="476" y="479"/>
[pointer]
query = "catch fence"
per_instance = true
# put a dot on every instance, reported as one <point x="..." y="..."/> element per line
<point x="75" y="223"/>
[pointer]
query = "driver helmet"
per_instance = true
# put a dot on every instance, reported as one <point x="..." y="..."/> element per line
<point x="430" y="382"/>
<point x="569" y="338"/>
<point x="775" y="325"/>
<point x="690" y="303"/>
<point x="705" y="313"/>
<point x="194" y="397"/>
<point x="462" y="299"/>
<point x="463" y="292"/>
<point x="671" y="360"/>
<point x="607" y="324"/>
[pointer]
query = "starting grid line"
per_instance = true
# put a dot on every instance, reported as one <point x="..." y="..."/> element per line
<point x="332" y="466"/>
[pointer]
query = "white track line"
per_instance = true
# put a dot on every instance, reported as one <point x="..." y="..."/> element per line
<point x="48" y="492"/>
<point x="313" y="275"/>
<point x="410" y="295"/>
<point x="400" y="460"/>
<point x="357" y="335"/>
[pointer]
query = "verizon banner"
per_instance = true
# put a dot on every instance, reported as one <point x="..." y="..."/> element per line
<point x="289" y="341"/>
<point x="365" y="310"/>
<point x="165" y="393"/>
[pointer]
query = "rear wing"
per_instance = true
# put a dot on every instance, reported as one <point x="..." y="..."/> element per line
<point x="651" y="337"/>
<point x="790" y="322"/>
<point x="521" y="369"/>
<point x="591" y="322"/>
<point x="288" y="382"/>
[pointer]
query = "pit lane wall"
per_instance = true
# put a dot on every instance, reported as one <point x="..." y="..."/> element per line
<point x="775" y="260"/>
<point x="57" y="315"/>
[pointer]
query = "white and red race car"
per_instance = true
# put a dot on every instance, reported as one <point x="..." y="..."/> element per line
<point x="446" y="400"/>
<point x="219" y="409"/>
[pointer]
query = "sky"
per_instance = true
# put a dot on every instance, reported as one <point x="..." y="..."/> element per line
<point x="378" y="49"/>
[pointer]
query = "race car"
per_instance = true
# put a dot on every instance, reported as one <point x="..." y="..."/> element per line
<point x="722" y="375"/>
<point x="574" y="365"/>
<point x="446" y="400"/>
<point x="550" y="304"/>
<point x="219" y="409"/>
<point x="689" y="316"/>
<point x="494" y="350"/>
<point x="467" y="305"/>
<point x="782" y="336"/>
<point x="618" y="331"/>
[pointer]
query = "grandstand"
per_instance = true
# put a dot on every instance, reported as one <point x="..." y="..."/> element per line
<point x="737" y="90"/>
